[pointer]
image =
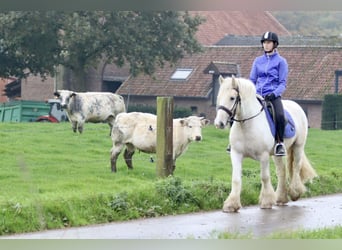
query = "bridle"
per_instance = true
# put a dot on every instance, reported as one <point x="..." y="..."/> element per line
<point x="231" y="113"/>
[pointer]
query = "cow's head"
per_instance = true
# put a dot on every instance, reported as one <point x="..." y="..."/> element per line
<point x="193" y="127"/>
<point x="64" y="96"/>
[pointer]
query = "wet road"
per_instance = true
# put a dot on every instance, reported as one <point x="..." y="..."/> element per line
<point x="313" y="213"/>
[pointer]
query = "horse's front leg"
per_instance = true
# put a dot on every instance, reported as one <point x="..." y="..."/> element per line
<point x="267" y="196"/>
<point x="281" y="191"/>
<point x="232" y="203"/>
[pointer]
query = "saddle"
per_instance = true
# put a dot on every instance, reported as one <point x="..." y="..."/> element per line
<point x="290" y="129"/>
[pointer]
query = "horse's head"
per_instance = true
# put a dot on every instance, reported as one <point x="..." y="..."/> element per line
<point x="234" y="93"/>
<point x="227" y="101"/>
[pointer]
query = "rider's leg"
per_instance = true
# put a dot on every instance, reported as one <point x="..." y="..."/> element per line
<point x="280" y="126"/>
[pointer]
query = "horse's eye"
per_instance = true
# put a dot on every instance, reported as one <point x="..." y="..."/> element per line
<point x="232" y="98"/>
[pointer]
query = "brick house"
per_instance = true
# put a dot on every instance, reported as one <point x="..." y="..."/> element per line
<point x="311" y="76"/>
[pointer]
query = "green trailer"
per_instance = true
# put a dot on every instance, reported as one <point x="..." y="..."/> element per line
<point x="23" y="111"/>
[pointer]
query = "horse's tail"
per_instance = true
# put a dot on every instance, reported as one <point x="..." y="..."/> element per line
<point x="298" y="179"/>
<point x="307" y="172"/>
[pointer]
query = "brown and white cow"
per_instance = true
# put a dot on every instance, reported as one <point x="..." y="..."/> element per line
<point x="94" y="107"/>
<point x="137" y="130"/>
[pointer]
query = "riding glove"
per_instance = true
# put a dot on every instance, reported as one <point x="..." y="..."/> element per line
<point x="270" y="97"/>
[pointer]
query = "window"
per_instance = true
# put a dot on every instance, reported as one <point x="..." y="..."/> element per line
<point x="194" y="109"/>
<point x="181" y="74"/>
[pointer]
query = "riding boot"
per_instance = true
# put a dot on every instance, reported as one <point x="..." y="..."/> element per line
<point x="280" y="149"/>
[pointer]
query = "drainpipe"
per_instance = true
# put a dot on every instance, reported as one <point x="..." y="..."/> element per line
<point x="338" y="73"/>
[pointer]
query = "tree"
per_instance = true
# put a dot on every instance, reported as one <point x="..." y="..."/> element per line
<point x="28" y="43"/>
<point x="38" y="41"/>
<point x="311" y="23"/>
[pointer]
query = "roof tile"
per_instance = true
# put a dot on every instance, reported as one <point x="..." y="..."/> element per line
<point x="311" y="72"/>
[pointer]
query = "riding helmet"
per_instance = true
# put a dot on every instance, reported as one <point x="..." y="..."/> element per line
<point x="270" y="36"/>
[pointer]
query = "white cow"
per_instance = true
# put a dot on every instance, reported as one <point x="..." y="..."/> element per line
<point x="138" y="131"/>
<point x="94" y="107"/>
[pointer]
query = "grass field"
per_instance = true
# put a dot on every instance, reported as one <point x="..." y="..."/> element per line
<point x="53" y="178"/>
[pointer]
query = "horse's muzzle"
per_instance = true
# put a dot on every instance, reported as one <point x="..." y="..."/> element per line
<point x="220" y="125"/>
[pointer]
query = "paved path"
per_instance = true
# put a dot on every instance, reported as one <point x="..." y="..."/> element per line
<point x="313" y="213"/>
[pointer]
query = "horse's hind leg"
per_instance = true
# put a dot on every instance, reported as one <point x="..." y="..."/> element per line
<point x="281" y="191"/>
<point x="267" y="196"/>
<point x="297" y="187"/>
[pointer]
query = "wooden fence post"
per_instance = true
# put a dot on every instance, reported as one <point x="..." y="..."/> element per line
<point x="164" y="136"/>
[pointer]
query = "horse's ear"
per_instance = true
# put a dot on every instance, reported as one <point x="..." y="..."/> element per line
<point x="234" y="82"/>
<point x="221" y="79"/>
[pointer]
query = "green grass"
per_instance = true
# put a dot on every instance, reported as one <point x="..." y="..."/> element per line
<point x="324" y="233"/>
<point x="53" y="178"/>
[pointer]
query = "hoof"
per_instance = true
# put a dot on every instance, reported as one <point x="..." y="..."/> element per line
<point x="231" y="208"/>
<point x="281" y="204"/>
<point x="295" y="197"/>
<point x="266" y="206"/>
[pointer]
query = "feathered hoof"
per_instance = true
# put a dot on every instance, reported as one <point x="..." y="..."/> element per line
<point x="267" y="201"/>
<point x="295" y="194"/>
<point x="281" y="203"/>
<point x="294" y="197"/>
<point x="231" y="208"/>
<point x="266" y="206"/>
<point x="296" y="190"/>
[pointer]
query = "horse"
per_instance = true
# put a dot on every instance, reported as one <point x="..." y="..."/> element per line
<point x="251" y="137"/>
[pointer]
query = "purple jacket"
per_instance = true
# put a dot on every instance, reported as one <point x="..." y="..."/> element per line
<point x="269" y="74"/>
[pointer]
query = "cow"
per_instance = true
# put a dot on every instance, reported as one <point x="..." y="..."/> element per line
<point x="94" y="107"/>
<point x="137" y="130"/>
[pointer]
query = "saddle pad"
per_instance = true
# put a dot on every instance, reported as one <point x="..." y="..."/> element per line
<point x="290" y="129"/>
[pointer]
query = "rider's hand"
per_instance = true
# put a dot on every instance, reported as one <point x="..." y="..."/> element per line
<point x="270" y="97"/>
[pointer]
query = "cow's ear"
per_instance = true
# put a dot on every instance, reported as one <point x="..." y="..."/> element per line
<point x="183" y="122"/>
<point x="56" y="94"/>
<point x="205" y="121"/>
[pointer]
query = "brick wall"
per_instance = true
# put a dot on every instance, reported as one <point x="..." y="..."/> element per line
<point x="35" y="89"/>
<point x="314" y="113"/>
<point x="3" y="82"/>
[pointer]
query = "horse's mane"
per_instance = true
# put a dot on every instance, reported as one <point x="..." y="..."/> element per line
<point x="245" y="87"/>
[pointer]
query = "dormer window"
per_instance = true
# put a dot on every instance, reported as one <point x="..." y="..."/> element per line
<point x="181" y="74"/>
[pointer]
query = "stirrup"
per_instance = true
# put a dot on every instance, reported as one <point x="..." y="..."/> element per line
<point x="279" y="149"/>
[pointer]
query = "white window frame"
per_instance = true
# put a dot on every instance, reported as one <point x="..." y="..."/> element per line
<point x="181" y="74"/>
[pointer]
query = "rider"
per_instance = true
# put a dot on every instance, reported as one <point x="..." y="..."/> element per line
<point x="269" y="74"/>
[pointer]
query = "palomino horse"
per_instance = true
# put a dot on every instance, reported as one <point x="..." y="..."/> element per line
<point x="250" y="136"/>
